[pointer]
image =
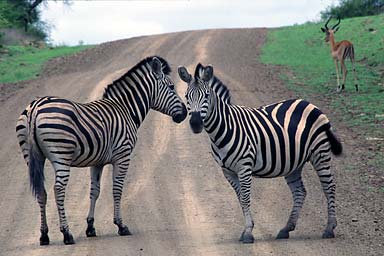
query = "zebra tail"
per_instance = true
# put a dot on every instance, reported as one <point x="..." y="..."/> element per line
<point x="336" y="146"/>
<point x="36" y="159"/>
<point x="36" y="172"/>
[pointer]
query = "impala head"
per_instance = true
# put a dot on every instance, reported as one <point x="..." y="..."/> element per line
<point x="198" y="94"/>
<point x="329" y="31"/>
<point x="165" y="98"/>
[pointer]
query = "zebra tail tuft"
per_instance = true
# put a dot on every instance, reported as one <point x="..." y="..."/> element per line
<point x="36" y="172"/>
<point x="336" y="146"/>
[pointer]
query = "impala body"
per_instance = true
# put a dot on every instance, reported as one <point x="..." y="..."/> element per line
<point x="340" y="51"/>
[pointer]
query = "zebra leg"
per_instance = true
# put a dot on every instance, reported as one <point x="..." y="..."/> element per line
<point x="96" y="172"/>
<point x="297" y="188"/>
<point x="233" y="180"/>
<point x="245" y="181"/>
<point x="42" y="200"/>
<point x="119" y="172"/>
<point x="61" y="181"/>
<point x="322" y="167"/>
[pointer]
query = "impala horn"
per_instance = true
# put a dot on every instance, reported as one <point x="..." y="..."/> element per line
<point x="336" y="23"/>
<point x="326" y="24"/>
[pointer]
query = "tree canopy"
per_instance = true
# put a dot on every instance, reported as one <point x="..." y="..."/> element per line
<point x="354" y="8"/>
<point x="25" y="14"/>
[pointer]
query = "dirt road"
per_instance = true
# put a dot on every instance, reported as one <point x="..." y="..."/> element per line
<point x="176" y="200"/>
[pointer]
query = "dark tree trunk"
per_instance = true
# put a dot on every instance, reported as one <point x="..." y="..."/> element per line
<point x="27" y="18"/>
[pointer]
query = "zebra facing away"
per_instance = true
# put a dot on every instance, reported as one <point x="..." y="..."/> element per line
<point x="101" y="132"/>
<point x="271" y="141"/>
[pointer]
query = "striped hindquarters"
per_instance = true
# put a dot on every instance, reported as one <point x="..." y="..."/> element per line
<point x="66" y="133"/>
<point x="289" y="133"/>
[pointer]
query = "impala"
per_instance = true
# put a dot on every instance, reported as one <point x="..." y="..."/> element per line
<point x="340" y="51"/>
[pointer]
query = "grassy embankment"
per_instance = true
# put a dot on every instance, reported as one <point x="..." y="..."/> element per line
<point x="18" y="63"/>
<point x="310" y="72"/>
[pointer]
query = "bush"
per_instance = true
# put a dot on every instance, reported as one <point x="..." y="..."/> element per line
<point x="354" y="8"/>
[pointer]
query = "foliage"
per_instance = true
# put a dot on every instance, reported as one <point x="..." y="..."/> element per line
<point x="302" y="49"/>
<point x="354" y="8"/>
<point x="25" y="14"/>
<point x="23" y="63"/>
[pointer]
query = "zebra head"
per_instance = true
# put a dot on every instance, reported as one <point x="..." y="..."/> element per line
<point x="198" y="94"/>
<point x="165" y="98"/>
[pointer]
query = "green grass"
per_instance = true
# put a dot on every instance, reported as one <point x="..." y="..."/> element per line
<point x="311" y="71"/>
<point x="18" y="63"/>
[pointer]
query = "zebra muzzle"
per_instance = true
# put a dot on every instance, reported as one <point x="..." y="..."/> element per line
<point x="180" y="117"/>
<point x="196" y="122"/>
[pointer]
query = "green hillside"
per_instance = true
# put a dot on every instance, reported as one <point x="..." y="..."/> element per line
<point x="18" y="63"/>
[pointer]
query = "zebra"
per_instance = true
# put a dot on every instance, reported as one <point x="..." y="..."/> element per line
<point x="71" y="134"/>
<point x="271" y="141"/>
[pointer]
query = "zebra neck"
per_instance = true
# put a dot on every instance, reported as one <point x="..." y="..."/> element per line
<point x="133" y="92"/>
<point x="218" y="120"/>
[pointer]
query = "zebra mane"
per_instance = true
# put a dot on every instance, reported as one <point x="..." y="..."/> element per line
<point x="164" y="65"/>
<point x="220" y="89"/>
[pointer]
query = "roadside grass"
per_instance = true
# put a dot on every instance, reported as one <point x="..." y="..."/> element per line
<point x="310" y="72"/>
<point x="19" y="63"/>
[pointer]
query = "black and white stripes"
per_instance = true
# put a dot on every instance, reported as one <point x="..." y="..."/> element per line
<point x="271" y="141"/>
<point x="93" y="134"/>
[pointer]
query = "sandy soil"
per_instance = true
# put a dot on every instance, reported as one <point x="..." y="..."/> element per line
<point x="176" y="201"/>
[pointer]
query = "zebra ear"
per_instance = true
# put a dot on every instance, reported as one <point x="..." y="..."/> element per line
<point x="184" y="75"/>
<point x="207" y="73"/>
<point x="156" y="66"/>
<point x="199" y="70"/>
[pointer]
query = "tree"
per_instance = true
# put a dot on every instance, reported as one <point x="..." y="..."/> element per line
<point x="354" y="8"/>
<point x="31" y="10"/>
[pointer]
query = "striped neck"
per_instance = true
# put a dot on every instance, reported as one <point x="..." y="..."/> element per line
<point x="134" y="91"/>
<point x="218" y="117"/>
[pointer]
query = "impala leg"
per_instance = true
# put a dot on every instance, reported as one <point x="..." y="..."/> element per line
<point x="344" y="71"/>
<point x="355" y="76"/>
<point x="96" y="173"/>
<point x="297" y="188"/>
<point x="119" y="173"/>
<point x="337" y="75"/>
<point x="61" y="181"/>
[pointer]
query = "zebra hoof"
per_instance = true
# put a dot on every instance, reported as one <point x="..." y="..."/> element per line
<point x="283" y="234"/>
<point x="90" y="232"/>
<point x="68" y="238"/>
<point x="124" y="231"/>
<point x="328" y="234"/>
<point x="246" y="238"/>
<point x="44" y="239"/>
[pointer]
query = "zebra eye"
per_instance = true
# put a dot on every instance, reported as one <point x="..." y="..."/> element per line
<point x="172" y="87"/>
<point x="206" y="95"/>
